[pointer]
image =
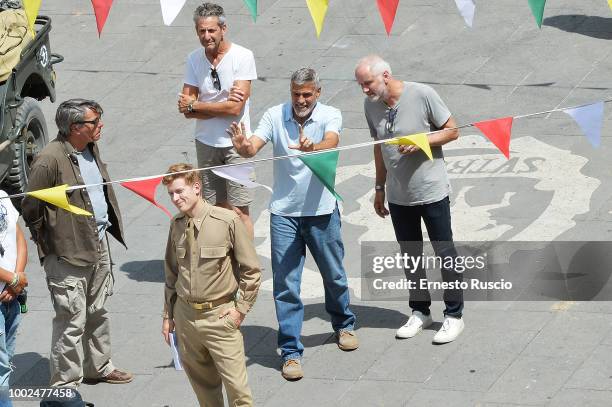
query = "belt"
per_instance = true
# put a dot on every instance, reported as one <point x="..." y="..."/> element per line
<point x="209" y="304"/>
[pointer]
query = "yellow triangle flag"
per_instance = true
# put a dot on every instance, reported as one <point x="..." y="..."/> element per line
<point x="31" y="9"/>
<point x="318" y="9"/>
<point x="57" y="196"/>
<point x="420" y="140"/>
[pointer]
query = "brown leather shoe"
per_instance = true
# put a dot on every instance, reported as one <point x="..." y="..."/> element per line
<point x="292" y="369"/>
<point x="347" y="340"/>
<point x="115" y="377"/>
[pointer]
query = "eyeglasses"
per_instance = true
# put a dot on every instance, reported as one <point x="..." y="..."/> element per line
<point x="215" y="78"/>
<point x="390" y="125"/>
<point x="94" y="122"/>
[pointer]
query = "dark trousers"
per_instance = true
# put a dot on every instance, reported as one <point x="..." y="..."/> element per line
<point x="407" y="226"/>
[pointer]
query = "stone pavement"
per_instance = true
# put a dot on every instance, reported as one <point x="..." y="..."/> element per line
<point x="555" y="187"/>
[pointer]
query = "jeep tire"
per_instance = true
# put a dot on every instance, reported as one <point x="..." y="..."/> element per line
<point x="31" y="118"/>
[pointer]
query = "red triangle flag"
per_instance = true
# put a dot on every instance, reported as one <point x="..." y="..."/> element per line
<point x="498" y="131"/>
<point x="387" y="9"/>
<point x="146" y="189"/>
<point x="101" y="9"/>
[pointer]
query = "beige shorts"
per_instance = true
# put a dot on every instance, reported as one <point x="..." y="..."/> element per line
<point x="215" y="188"/>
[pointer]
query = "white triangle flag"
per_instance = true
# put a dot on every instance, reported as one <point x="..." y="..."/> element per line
<point x="170" y="9"/>
<point x="590" y="120"/>
<point x="240" y="174"/>
<point x="466" y="8"/>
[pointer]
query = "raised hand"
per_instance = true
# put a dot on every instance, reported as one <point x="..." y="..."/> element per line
<point x="239" y="140"/>
<point x="305" y="143"/>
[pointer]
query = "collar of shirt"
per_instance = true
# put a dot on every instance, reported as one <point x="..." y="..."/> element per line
<point x="288" y="113"/>
<point x="70" y="150"/>
<point x="199" y="217"/>
<point x="68" y="147"/>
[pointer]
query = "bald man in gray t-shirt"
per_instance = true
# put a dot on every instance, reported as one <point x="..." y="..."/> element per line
<point x="418" y="110"/>
<point x="415" y="187"/>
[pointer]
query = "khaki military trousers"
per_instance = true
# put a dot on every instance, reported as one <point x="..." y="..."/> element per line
<point x="80" y="342"/>
<point x="212" y="353"/>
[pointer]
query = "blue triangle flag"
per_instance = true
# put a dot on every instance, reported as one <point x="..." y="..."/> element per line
<point x="590" y="120"/>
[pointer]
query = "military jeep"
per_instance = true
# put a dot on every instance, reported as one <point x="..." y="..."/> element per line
<point x="23" y="131"/>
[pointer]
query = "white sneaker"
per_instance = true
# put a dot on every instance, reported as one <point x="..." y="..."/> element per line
<point x="416" y="323"/>
<point x="451" y="328"/>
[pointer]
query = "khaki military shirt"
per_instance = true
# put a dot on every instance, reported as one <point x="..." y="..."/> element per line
<point x="218" y="261"/>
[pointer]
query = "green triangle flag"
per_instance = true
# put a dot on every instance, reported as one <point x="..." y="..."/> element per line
<point x="324" y="167"/>
<point x="252" y="5"/>
<point x="537" y="9"/>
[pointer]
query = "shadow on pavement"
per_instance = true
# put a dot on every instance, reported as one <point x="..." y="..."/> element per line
<point x="258" y="338"/>
<point x="147" y="270"/>
<point x="591" y="26"/>
<point x="31" y="369"/>
<point x="367" y="316"/>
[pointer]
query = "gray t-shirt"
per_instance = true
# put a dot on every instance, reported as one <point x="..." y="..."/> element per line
<point x="412" y="179"/>
<point x="91" y="175"/>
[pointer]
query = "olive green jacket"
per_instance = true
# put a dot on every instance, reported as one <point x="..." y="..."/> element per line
<point x="71" y="237"/>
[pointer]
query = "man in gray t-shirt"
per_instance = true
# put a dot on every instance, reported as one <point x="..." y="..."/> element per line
<point x="416" y="187"/>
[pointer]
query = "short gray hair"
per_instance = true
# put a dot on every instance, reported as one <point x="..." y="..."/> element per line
<point x="306" y="75"/>
<point x="73" y="111"/>
<point x="376" y="64"/>
<point x="209" y="10"/>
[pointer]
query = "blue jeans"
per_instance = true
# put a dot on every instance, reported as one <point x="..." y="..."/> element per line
<point x="290" y="236"/>
<point x="407" y="225"/>
<point x="10" y="316"/>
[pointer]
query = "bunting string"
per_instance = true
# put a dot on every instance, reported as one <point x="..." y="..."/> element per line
<point x="323" y="163"/>
<point x="318" y="8"/>
<point x="560" y="109"/>
<point x="394" y="140"/>
<point x="387" y="9"/>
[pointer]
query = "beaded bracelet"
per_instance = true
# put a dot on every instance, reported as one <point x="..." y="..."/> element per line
<point x="15" y="281"/>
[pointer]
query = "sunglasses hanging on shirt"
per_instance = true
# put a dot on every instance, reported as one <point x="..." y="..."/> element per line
<point x="390" y="124"/>
<point x="215" y="78"/>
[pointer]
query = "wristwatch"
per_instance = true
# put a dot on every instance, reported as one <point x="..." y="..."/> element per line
<point x="190" y="107"/>
<point x="379" y="187"/>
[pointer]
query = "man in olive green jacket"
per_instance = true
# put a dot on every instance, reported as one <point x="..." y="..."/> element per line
<point x="74" y="249"/>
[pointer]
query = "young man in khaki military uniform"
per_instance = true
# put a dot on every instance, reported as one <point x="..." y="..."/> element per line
<point x="212" y="279"/>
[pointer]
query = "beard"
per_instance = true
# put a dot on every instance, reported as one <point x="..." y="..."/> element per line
<point x="380" y="93"/>
<point x="303" y="112"/>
